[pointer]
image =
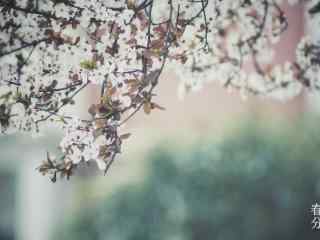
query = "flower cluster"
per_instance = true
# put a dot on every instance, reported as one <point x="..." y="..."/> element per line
<point x="50" y="50"/>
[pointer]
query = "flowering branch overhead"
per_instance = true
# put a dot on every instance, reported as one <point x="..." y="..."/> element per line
<point x="50" y="50"/>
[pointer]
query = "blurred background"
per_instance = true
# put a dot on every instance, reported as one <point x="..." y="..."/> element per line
<point x="213" y="166"/>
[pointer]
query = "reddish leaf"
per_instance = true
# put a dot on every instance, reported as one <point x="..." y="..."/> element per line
<point x="147" y="107"/>
<point x="125" y="136"/>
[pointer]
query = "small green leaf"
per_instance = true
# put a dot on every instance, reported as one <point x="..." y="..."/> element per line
<point x="88" y="64"/>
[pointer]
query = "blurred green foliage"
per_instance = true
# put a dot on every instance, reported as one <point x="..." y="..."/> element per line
<point x="253" y="185"/>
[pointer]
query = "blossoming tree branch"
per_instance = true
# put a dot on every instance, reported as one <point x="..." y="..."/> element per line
<point x="51" y="50"/>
